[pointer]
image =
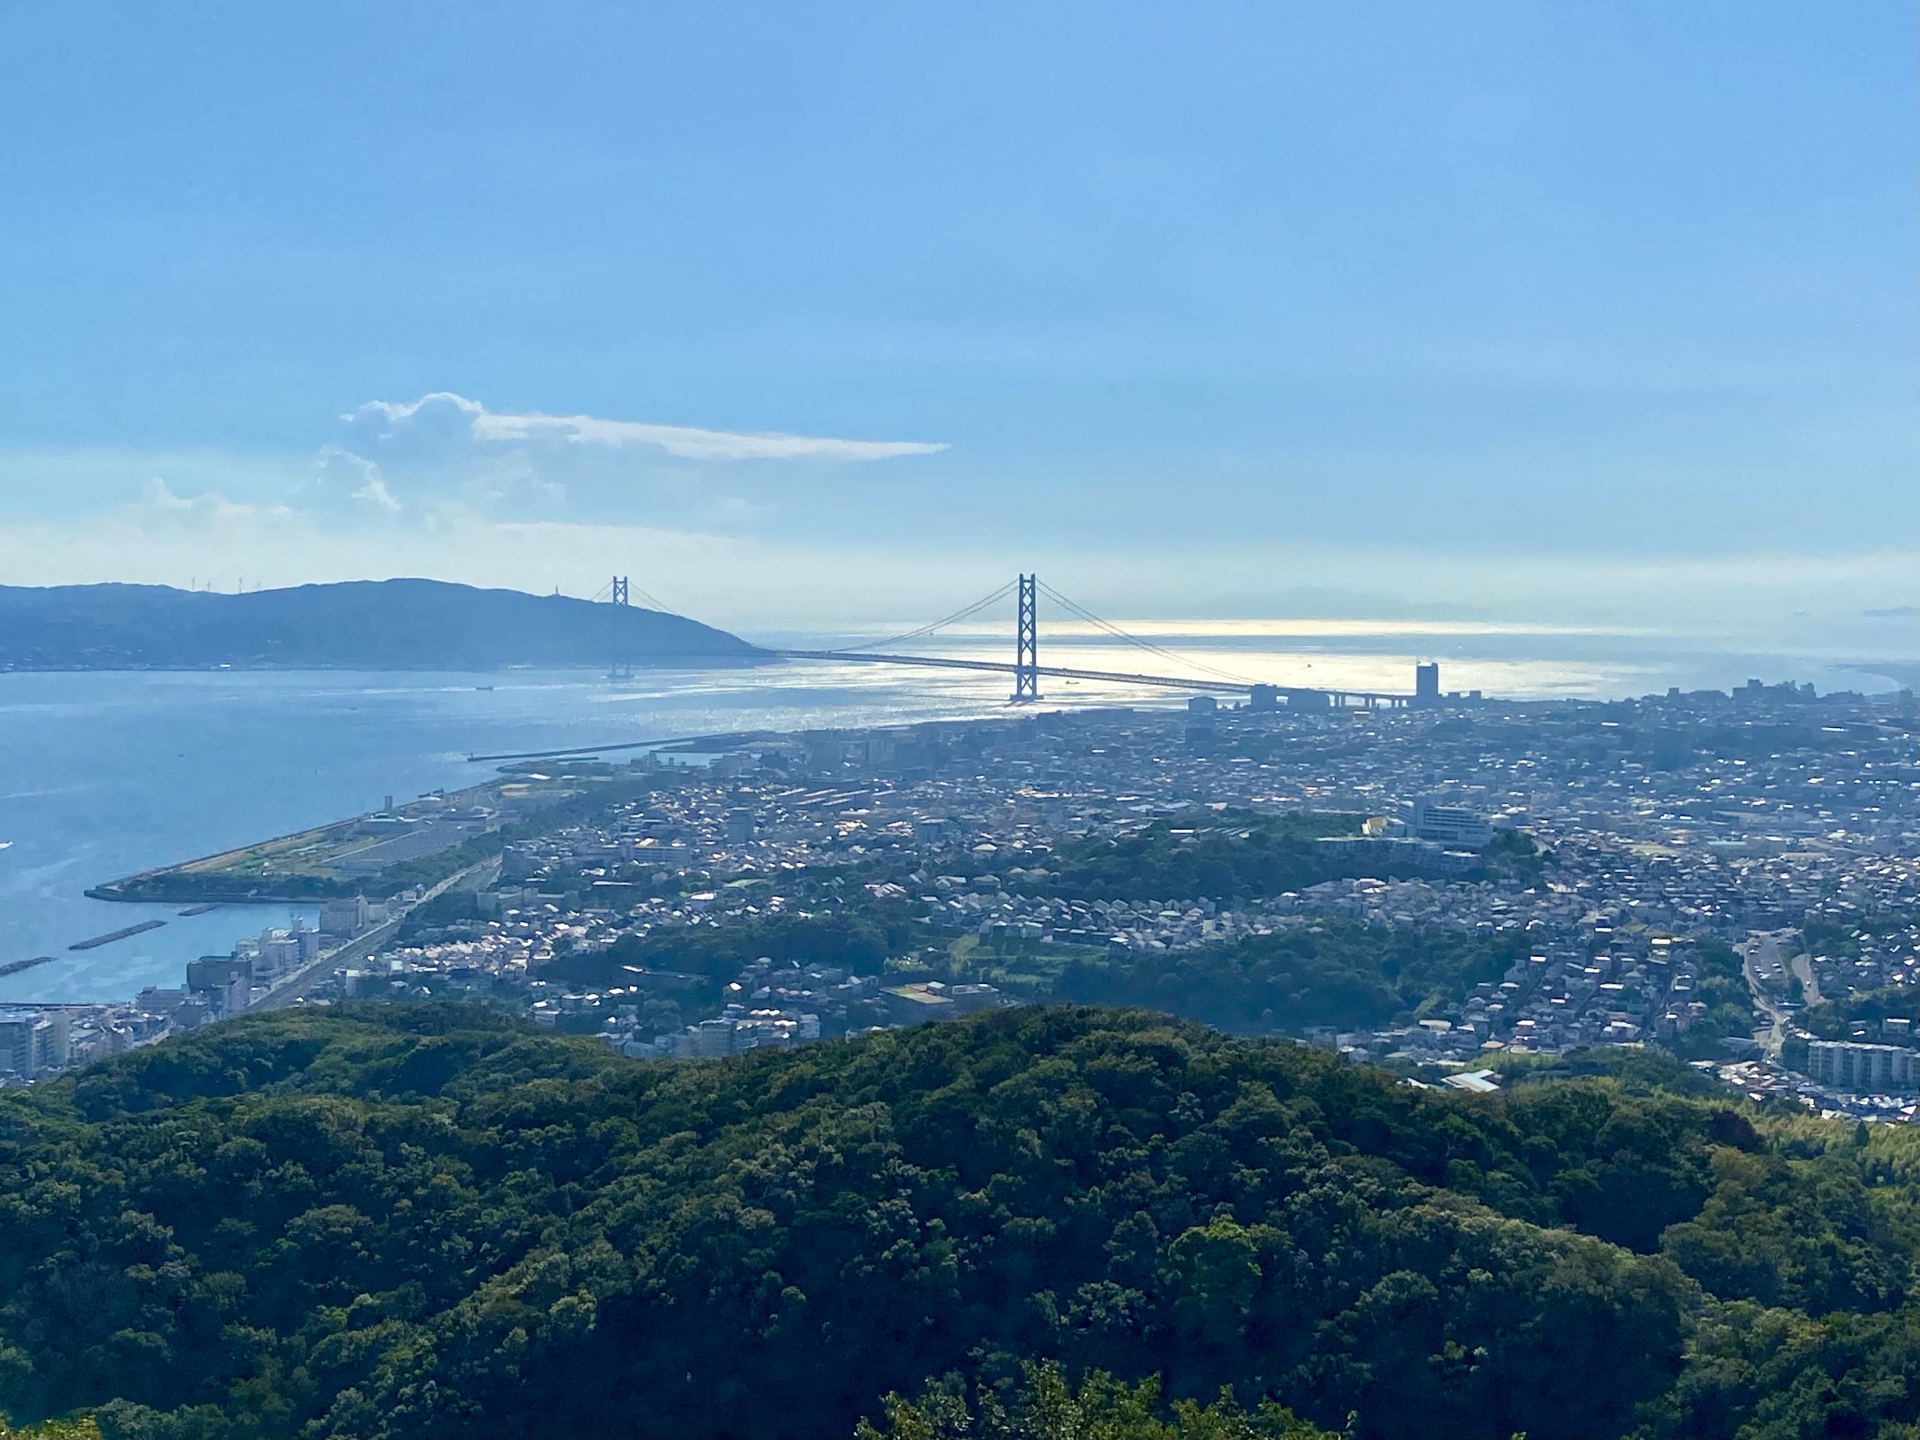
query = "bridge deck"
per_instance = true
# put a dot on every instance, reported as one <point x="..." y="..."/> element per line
<point x="1169" y="682"/>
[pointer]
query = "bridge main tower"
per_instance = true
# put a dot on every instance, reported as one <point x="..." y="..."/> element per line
<point x="1026" y="642"/>
<point x="621" y="669"/>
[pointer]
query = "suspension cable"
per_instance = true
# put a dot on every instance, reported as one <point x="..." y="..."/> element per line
<point x="1085" y="614"/>
<point x="654" y="602"/>
<point x="954" y="618"/>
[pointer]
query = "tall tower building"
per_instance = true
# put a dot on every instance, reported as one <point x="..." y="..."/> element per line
<point x="1426" y="683"/>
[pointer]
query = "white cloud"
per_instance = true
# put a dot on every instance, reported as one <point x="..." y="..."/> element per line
<point x="157" y="495"/>
<point x="682" y="441"/>
<point x="441" y="486"/>
<point x="344" y="480"/>
<point x="397" y="412"/>
<point x="159" y="505"/>
<point x="376" y="494"/>
<point x="751" y="581"/>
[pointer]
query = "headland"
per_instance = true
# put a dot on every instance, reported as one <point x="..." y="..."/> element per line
<point x="363" y="625"/>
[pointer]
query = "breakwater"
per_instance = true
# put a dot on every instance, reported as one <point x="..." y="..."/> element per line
<point x="123" y="933"/>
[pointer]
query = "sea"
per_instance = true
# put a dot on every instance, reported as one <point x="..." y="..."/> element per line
<point x="105" y="773"/>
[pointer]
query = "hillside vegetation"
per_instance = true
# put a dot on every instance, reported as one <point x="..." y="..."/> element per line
<point x="1334" y="972"/>
<point x="436" y="1221"/>
<point x="361" y="625"/>
<point x="1238" y="854"/>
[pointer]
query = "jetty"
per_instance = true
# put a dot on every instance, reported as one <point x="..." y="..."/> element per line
<point x="112" y="935"/>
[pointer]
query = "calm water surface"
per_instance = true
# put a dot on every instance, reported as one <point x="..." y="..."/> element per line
<point x="104" y="774"/>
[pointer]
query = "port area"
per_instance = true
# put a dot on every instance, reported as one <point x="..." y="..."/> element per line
<point x="368" y="874"/>
<point x="400" y="847"/>
<point x="292" y="988"/>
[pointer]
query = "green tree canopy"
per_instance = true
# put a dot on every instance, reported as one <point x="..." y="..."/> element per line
<point x="366" y="1221"/>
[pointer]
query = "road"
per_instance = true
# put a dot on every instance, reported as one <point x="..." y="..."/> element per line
<point x="321" y="967"/>
<point x="1319" y="698"/>
<point x="1763" y="951"/>
<point x="1810" y="987"/>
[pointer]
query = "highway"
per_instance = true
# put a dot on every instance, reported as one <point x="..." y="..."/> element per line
<point x="1169" y="682"/>
<point x="1301" y="695"/>
<point x="295" y="986"/>
<point x="1762" y="953"/>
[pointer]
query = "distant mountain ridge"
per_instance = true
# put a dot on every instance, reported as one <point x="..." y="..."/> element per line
<point x="362" y="624"/>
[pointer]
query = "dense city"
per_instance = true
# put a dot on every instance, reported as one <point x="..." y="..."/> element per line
<point x="1731" y="877"/>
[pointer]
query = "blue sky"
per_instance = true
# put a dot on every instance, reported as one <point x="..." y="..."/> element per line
<point x="1517" y="309"/>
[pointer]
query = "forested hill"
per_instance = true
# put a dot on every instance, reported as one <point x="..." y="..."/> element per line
<point x="436" y="1221"/>
<point x="372" y="625"/>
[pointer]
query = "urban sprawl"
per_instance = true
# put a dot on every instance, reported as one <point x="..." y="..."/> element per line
<point x="1728" y="876"/>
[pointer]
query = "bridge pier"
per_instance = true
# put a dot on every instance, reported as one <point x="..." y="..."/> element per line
<point x="1026" y="643"/>
<point x="1026" y="668"/>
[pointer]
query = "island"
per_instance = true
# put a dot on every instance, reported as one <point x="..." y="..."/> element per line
<point x="355" y="625"/>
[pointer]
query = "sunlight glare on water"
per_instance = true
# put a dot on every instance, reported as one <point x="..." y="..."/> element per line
<point x="108" y="773"/>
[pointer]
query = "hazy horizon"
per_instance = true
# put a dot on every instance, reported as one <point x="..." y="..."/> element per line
<point x="1539" y="317"/>
<point x="1870" y="651"/>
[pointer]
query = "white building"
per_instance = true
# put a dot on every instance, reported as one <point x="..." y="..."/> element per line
<point x="1863" y="1069"/>
<point x="34" y="1043"/>
<point x="1448" y="825"/>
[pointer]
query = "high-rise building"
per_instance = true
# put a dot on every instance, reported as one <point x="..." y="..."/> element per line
<point x="1426" y="683"/>
<point x="224" y="981"/>
<point x="16" y="1043"/>
<point x="345" y="918"/>
<point x="34" y="1042"/>
<point x="274" y="953"/>
<point x="52" y="1042"/>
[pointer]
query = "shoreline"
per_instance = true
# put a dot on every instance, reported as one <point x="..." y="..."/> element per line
<point x="689" y="661"/>
<point x="207" y="882"/>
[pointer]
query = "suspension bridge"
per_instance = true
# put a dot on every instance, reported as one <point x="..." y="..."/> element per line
<point x="1027" y="671"/>
<point x="1025" y="667"/>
